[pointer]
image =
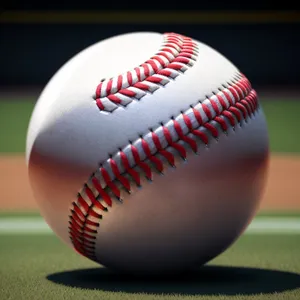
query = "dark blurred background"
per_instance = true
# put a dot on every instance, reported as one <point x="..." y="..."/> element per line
<point x="262" y="40"/>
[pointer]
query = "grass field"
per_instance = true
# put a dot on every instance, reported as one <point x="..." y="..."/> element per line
<point x="262" y="264"/>
<point x="282" y="119"/>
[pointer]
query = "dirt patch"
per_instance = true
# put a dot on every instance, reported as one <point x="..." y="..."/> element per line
<point x="282" y="190"/>
<point x="281" y="193"/>
<point x="14" y="185"/>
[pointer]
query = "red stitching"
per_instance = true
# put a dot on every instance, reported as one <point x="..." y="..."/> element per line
<point x="238" y="90"/>
<point x="81" y="234"/>
<point x="197" y="132"/>
<point x="160" y="60"/>
<point x="114" y="98"/>
<point x="141" y="86"/>
<point x="198" y="116"/>
<point x="168" y="155"/>
<point x="234" y="93"/>
<point x="125" y="182"/>
<point x="96" y="215"/>
<point x="134" y="174"/>
<point x="166" y="73"/>
<point x="158" y="163"/>
<point x="201" y="135"/>
<point x="179" y="52"/>
<point x="154" y="79"/>
<point x="119" y="84"/>
<point x="77" y="219"/>
<point x="93" y="199"/>
<point x="129" y="78"/>
<point x="100" y="104"/>
<point x="84" y="215"/>
<point x="236" y="112"/>
<point x="138" y="73"/>
<point x="140" y="163"/>
<point x="192" y="143"/>
<point x="106" y="198"/>
<point x="165" y="54"/>
<point x="229" y="99"/>
<point x="110" y="184"/>
<point x="242" y="87"/>
<point x="207" y="110"/>
<point x="175" y="66"/>
<point x="128" y="93"/>
<point x="181" y="150"/>
<point x="222" y="101"/>
<point x="247" y="106"/>
<point x="241" y="107"/>
<point x="222" y="122"/>
<point x="78" y="212"/>
<point x="215" y="106"/>
<point x="108" y="87"/>
<point x="214" y="131"/>
<point x="82" y="203"/>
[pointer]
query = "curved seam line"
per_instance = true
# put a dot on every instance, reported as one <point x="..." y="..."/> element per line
<point x="130" y="90"/>
<point x="84" y="237"/>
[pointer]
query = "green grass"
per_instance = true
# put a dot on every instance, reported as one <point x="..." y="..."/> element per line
<point x="283" y="125"/>
<point x="276" y="213"/>
<point x="14" y="120"/>
<point x="282" y="118"/>
<point x="255" y="267"/>
<point x="21" y="214"/>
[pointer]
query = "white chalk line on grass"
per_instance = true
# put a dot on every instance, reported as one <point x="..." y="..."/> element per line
<point x="260" y="225"/>
<point x="24" y="225"/>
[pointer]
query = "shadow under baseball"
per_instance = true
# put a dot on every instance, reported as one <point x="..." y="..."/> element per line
<point x="206" y="280"/>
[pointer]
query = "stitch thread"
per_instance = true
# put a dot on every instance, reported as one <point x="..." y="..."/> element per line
<point x="175" y="56"/>
<point x="234" y="103"/>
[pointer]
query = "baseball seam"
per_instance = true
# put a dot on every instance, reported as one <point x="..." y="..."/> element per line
<point x="174" y="57"/>
<point x="153" y="152"/>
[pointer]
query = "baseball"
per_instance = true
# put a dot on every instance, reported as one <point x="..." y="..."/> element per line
<point x="148" y="152"/>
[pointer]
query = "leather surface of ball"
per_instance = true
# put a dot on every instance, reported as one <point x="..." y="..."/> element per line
<point x="148" y="152"/>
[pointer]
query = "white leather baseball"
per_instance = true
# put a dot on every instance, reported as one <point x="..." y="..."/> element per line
<point x="148" y="152"/>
